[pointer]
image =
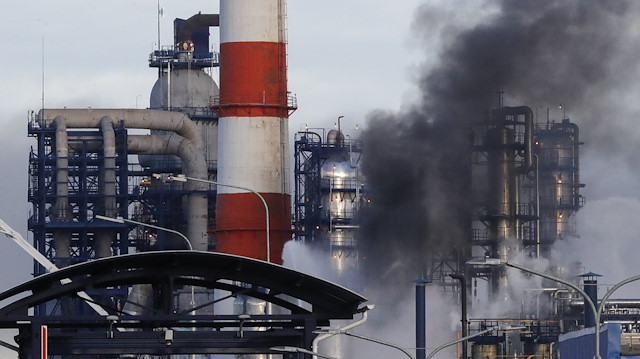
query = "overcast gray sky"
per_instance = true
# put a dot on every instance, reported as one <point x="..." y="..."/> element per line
<point x="346" y="58"/>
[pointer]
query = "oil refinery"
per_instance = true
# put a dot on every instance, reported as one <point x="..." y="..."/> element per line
<point x="161" y="232"/>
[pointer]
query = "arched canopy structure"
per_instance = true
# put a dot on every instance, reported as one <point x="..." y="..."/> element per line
<point x="301" y="303"/>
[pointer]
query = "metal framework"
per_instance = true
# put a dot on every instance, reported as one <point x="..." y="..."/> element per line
<point x="136" y="196"/>
<point x="309" y="158"/>
<point x="304" y="303"/>
<point x="311" y="219"/>
<point x="84" y="171"/>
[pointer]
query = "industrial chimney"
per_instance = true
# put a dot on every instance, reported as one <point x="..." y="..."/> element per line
<point x="253" y="130"/>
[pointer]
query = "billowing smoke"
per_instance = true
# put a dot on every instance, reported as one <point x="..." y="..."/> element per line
<point x="537" y="53"/>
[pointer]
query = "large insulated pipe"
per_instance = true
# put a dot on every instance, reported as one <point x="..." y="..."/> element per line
<point x="528" y="130"/>
<point x="103" y="239"/>
<point x="61" y="209"/>
<point x="193" y="165"/>
<point x="463" y="304"/>
<point x="145" y="119"/>
<point x="253" y="129"/>
<point x="194" y="22"/>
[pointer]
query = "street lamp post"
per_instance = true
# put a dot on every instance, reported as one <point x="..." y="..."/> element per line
<point x="183" y="178"/>
<point x="597" y="312"/>
<point x="123" y="220"/>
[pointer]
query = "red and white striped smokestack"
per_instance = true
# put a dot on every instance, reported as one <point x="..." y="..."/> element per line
<point x="253" y="129"/>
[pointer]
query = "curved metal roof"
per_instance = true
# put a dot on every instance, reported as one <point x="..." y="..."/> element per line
<point x="204" y="269"/>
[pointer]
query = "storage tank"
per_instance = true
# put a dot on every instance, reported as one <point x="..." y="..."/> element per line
<point x="485" y="351"/>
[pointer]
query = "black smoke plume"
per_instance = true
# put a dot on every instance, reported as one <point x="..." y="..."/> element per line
<point x="540" y="53"/>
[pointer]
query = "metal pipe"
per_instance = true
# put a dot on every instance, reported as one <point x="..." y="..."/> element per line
<point x="61" y="210"/>
<point x="107" y="179"/>
<point x="537" y="206"/>
<point x="190" y="150"/>
<point x="131" y="118"/>
<point x="463" y="304"/>
<point x="195" y="166"/>
<point x="194" y="22"/>
<point x="421" y="318"/>
<point x="319" y="338"/>
<point x="528" y="129"/>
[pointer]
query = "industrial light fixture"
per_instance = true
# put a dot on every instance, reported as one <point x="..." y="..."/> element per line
<point x="487" y="261"/>
<point x="365" y="308"/>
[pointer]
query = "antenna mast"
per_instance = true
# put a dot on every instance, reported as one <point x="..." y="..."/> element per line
<point x="42" y="73"/>
<point x="159" y="15"/>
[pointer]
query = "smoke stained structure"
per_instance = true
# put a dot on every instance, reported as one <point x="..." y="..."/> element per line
<point x="540" y="53"/>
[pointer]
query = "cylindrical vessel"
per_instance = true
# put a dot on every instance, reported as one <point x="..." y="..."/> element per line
<point x="502" y="193"/>
<point x="421" y="318"/>
<point x="253" y="130"/>
<point x="537" y="350"/>
<point x="558" y="149"/>
<point x="340" y="199"/>
<point x="485" y="351"/>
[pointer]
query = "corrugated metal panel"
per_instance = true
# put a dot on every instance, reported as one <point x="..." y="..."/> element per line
<point x="581" y="343"/>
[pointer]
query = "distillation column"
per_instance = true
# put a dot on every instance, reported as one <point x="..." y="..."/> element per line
<point x="557" y="145"/>
<point x="253" y="130"/>
<point x="509" y="150"/>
